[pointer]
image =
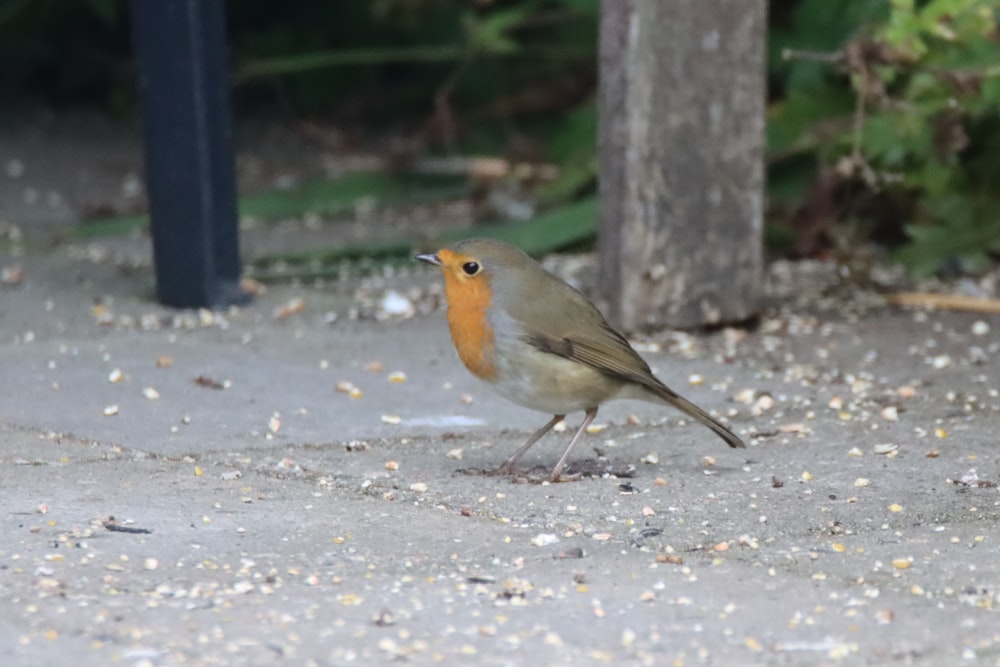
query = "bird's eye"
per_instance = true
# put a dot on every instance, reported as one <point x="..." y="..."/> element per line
<point x="471" y="268"/>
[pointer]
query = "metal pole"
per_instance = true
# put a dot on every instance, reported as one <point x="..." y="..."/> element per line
<point x="184" y="86"/>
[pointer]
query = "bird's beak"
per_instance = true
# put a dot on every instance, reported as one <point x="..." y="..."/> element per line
<point x="430" y="258"/>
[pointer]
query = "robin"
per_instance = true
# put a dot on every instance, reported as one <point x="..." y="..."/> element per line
<point x="541" y="343"/>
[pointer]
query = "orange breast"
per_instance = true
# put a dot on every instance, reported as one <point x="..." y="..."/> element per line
<point x="471" y="332"/>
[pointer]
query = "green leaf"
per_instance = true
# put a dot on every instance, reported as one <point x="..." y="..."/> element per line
<point x="554" y="230"/>
<point x="321" y="197"/>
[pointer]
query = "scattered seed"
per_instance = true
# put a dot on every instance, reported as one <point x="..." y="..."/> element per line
<point x="274" y="424"/>
<point x="762" y="405"/>
<point x="111" y="411"/>
<point x="601" y="537"/>
<point x="806" y="476"/>
<point x="252" y="287"/>
<point x="885" y="616"/>
<point x="652" y="458"/>
<point x="391" y="419"/>
<point x="209" y="383"/>
<point x="721" y="547"/>
<point x="940" y="433"/>
<point x="695" y="380"/>
<point x="397" y="376"/>
<point x="544" y="539"/>
<point x="862" y="482"/>
<point x="374" y="367"/>
<point x="418" y="487"/>
<point x="885" y="448"/>
<point x="150" y="564"/>
<point x="670" y="559"/>
<point x="942" y="361"/>
<point x="11" y="275"/>
<point x="980" y="328"/>
<point x="116" y="376"/>
<point x="571" y="554"/>
<point x="150" y="394"/>
<point x="291" y="307"/>
<point x="838" y="547"/>
<point x="394" y="304"/>
<point x="895" y="507"/>
<point x="455" y="454"/>
<point x="901" y="563"/>
<point x="890" y="413"/>
<point x="465" y="399"/>
<point x="906" y="391"/>
<point x="392" y="465"/>
<point x="855" y="451"/>
<point x="164" y="361"/>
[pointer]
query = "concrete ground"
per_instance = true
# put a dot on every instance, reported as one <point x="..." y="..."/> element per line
<point x="299" y="482"/>
<point x="275" y="518"/>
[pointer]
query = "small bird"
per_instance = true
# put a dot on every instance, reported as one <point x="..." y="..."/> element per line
<point x="541" y="343"/>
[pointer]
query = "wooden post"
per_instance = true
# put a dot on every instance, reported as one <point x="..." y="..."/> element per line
<point x="681" y="151"/>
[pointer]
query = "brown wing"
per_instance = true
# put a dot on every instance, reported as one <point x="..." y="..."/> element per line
<point x="608" y="357"/>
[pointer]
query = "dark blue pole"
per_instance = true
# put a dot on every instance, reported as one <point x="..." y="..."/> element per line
<point x="184" y="91"/>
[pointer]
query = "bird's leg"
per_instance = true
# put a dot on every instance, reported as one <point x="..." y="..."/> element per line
<point x="589" y="417"/>
<point x="508" y="465"/>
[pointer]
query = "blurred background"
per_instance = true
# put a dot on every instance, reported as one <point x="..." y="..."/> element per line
<point x="433" y="115"/>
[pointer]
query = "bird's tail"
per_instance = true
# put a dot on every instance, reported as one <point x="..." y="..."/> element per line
<point x="670" y="396"/>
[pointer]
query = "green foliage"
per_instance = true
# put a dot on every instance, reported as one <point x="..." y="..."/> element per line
<point x="921" y="129"/>
<point x="327" y="197"/>
<point x="884" y="115"/>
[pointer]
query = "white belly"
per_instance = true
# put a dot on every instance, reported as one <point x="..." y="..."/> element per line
<point x="563" y="386"/>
